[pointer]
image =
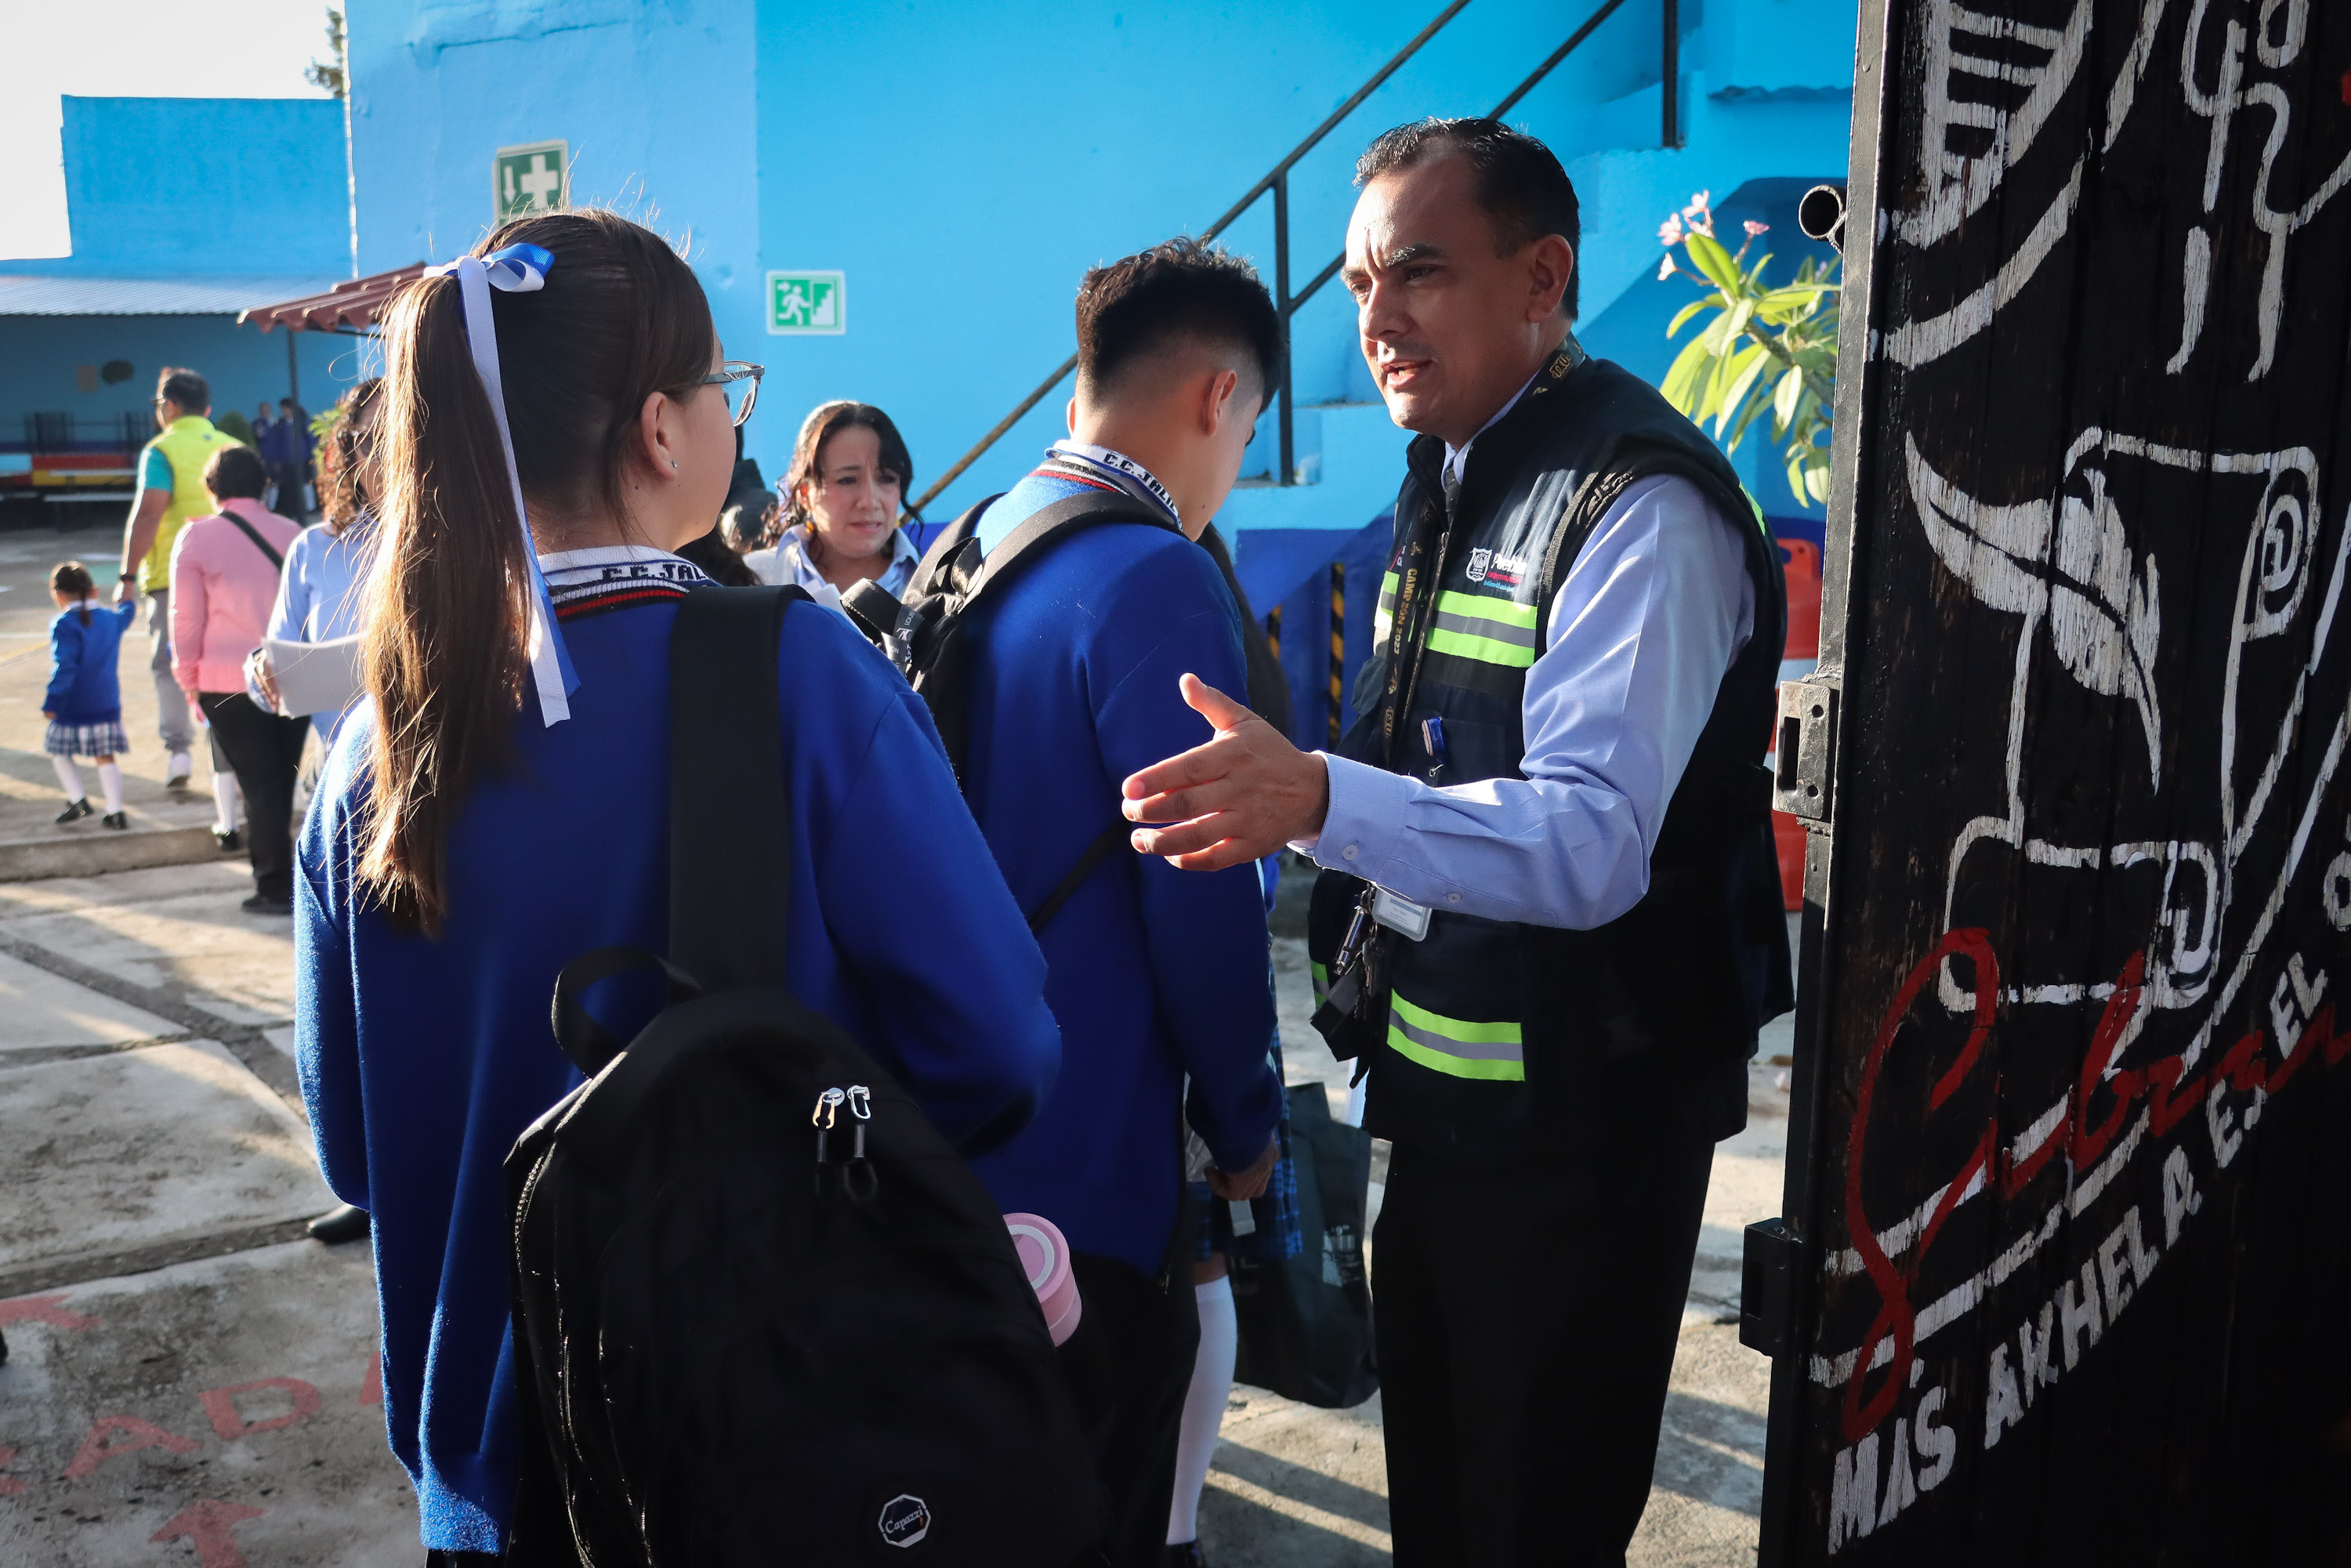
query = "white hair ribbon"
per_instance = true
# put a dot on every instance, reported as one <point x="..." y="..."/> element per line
<point x="517" y="269"/>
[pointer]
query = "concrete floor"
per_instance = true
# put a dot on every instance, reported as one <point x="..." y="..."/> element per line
<point x="187" y="1380"/>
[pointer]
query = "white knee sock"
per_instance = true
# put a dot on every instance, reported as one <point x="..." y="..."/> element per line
<point x="1204" y="1405"/>
<point x="70" y="777"/>
<point x="225" y="802"/>
<point x="109" y="779"/>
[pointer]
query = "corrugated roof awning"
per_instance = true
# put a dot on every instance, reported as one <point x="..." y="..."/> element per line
<point x="30" y="295"/>
<point x="347" y="306"/>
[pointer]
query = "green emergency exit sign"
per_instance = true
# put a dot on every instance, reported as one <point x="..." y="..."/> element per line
<point x="802" y="302"/>
<point x="531" y="179"/>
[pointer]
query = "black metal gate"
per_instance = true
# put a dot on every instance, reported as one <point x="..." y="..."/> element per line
<point x="2065" y="1270"/>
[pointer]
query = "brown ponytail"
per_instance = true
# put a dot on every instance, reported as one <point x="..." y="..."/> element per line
<point x="72" y="577"/>
<point x="620" y="317"/>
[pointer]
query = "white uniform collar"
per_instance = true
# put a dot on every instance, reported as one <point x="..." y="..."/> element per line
<point x="1121" y="470"/>
<point x="792" y="548"/>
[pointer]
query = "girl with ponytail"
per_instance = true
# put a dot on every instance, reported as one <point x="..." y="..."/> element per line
<point x="499" y="804"/>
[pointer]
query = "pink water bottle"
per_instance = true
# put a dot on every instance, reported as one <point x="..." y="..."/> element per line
<point x="1045" y="1259"/>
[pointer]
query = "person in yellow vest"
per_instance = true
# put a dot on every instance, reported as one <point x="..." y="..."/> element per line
<point x="171" y="492"/>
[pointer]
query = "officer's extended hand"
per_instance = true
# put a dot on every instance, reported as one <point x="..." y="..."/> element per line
<point x="1240" y="797"/>
<point x="1239" y="1187"/>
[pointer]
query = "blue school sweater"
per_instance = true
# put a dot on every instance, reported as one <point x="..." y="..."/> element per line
<point x="1154" y="973"/>
<point x="82" y="684"/>
<point x="423" y="1060"/>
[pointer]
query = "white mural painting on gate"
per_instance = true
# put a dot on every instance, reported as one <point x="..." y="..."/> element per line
<point x="1964" y="105"/>
<point x="2061" y="565"/>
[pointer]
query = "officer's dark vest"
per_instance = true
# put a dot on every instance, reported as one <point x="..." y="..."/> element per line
<point x="1502" y="1037"/>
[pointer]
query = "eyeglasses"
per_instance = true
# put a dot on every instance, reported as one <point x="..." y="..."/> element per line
<point x="741" y="398"/>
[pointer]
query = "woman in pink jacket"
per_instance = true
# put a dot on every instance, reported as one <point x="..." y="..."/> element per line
<point x="223" y="580"/>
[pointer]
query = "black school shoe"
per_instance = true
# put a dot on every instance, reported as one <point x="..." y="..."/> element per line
<point x="1185" y="1554"/>
<point x="229" y="843"/>
<point x="348" y="1223"/>
<point x="75" y="811"/>
<point x="262" y="903"/>
<point x="115" y="820"/>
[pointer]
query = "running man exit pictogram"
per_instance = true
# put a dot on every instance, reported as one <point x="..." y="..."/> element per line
<point x="806" y="302"/>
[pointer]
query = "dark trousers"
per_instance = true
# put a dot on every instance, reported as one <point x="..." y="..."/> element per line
<point x="266" y="753"/>
<point x="1526" y="1320"/>
<point x="289" y="479"/>
<point x="1128" y="1365"/>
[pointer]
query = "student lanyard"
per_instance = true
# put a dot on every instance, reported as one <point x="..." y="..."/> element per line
<point x="1120" y="470"/>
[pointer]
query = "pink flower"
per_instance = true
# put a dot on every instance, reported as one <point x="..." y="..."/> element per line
<point x="1755" y="228"/>
<point x="1669" y="233"/>
<point x="1665" y="269"/>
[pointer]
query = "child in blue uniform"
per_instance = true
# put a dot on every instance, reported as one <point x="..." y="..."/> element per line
<point x="84" y="700"/>
<point x="497" y="805"/>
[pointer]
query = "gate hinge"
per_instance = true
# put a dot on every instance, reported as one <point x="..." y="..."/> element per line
<point x="1766" y="1278"/>
<point x="1804" y="748"/>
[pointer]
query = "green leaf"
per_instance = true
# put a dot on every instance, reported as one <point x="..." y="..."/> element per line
<point x="1733" y="375"/>
<point x="1680" y="387"/>
<point x="1747" y="365"/>
<point x="1681" y="317"/>
<point x="1715" y="263"/>
<point x="1784" y="400"/>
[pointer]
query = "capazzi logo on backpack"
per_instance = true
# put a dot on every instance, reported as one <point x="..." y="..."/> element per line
<point x="905" y="1521"/>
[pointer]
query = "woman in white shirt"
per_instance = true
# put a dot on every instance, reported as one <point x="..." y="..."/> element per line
<point x="838" y="525"/>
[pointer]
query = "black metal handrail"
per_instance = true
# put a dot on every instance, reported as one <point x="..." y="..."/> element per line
<point x="1277" y="182"/>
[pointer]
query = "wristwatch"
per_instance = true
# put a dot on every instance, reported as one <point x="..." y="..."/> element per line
<point x="127" y="577"/>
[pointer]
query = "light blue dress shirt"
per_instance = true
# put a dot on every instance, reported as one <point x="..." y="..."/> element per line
<point x="319" y="598"/>
<point x="1641" y="633"/>
<point x="787" y="565"/>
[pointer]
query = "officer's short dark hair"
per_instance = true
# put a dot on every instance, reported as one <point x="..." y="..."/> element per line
<point x="236" y="472"/>
<point x="1519" y="182"/>
<point x="1183" y="288"/>
<point x="185" y="387"/>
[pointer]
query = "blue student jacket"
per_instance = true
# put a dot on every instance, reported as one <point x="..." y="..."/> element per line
<point x="422" y="1060"/>
<point x="1154" y="973"/>
<point x="82" y="684"/>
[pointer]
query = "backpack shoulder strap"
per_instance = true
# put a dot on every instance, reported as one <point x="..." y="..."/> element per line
<point x="929" y="574"/>
<point x="729" y="869"/>
<point x="276" y="561"/>
<point x="1049" y="525"/>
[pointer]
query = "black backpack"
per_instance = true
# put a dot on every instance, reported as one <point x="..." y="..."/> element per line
<point x="762" y="1312"/>
<point x="930" y="635"/>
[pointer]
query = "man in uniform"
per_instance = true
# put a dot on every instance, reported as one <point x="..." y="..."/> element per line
<point x="1549" y="915"/>
<point x="171" y="492"/>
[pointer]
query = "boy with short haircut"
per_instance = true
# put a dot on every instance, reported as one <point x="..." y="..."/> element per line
<point x="1155" y="975"/>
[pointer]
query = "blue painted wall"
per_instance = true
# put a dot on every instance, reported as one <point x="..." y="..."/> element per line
<point x="39" y="354"/>
<point x="186" y="188"/>
<point x="963" y="165"/>
<point x="199" y="187"/>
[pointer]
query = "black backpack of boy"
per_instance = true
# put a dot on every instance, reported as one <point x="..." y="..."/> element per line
<point x="762" y="1312"/>
<point x="931" y="635"/>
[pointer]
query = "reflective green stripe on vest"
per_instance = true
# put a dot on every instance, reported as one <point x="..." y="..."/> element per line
<point x="1478" y="626"/>
<point x="1456" y="1047"/>
<point x="1321" y="980"/>
<point x="1383" y="618"/>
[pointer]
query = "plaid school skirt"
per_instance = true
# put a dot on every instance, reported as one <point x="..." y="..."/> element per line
<point x="85" y="740"/>
<point x="1271" y="1232"/>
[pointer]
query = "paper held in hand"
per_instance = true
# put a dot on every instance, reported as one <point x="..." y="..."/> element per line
<point x="315" y="677"/>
